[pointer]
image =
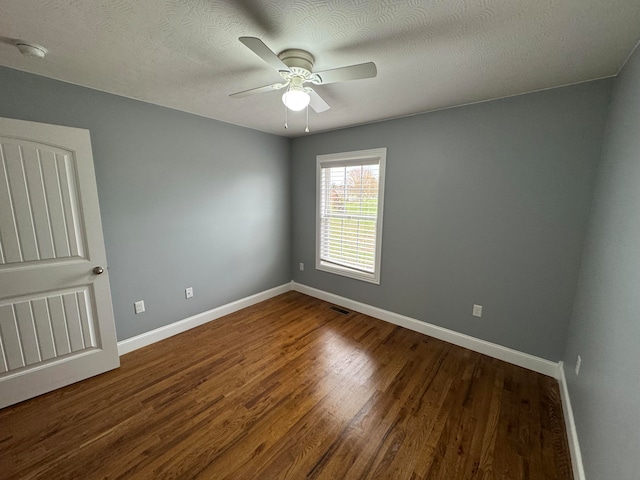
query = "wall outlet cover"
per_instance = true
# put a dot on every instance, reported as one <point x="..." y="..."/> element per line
<point x="188" y="292"/>
<point x="139" y="306"/>
<point x="477" y="310"/>
<point x="578" y="363"/>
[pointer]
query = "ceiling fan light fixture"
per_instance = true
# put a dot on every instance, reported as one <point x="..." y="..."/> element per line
<point x="296" y="99"/>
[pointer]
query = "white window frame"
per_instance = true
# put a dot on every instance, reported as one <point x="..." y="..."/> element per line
<point x="377" y="155"/>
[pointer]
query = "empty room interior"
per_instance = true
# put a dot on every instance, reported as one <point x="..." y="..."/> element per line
<point x="337" y="240"/>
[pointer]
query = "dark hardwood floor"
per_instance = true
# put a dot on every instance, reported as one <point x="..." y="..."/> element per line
<point x="290" y="388"/>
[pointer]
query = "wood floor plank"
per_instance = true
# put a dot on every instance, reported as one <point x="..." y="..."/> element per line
<point x="291" y="389"/>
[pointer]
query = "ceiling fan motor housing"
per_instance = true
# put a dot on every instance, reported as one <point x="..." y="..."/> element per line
<point x="297" y="59"/>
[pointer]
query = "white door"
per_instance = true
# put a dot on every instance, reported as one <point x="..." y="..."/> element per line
<point x="56" y="317"/>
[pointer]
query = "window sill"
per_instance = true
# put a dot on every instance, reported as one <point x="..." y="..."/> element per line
<point x="348" y="272"/>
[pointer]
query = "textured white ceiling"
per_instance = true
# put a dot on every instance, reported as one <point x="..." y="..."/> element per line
<point x="430" y="54"/>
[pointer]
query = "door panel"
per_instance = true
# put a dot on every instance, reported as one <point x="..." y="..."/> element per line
<point x="41" y="220"/>
<point x="46" y="326"/>
<point x="56" y="318"/>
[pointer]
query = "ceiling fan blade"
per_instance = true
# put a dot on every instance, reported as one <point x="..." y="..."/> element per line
<point x="317" y="103"/>
<point x="344" y="74"/>
<point x="258" y="47"/>
<point x="253" y="91"/>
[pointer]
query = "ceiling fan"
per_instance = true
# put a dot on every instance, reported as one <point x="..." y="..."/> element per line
<point x="295" y="66"/>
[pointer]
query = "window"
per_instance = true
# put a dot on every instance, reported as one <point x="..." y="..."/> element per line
<point x="350" y="191"/>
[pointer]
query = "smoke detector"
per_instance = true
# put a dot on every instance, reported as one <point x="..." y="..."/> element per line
<point x="30" y="49"/>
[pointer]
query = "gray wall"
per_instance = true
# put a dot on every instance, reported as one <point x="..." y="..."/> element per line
<point x="484" y="204"/>
<point x="605" y="326"/>
<point x="185" y="201"/>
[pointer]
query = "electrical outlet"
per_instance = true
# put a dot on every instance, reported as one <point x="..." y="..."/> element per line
<point x="578" y="363"/>
<point x="301" y="266"/>
<point x="139" y="306"/>
<point x="188" y="292"/>
<point x="477" y="310"/>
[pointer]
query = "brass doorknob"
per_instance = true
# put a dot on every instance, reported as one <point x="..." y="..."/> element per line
<point x="98" y="270"/>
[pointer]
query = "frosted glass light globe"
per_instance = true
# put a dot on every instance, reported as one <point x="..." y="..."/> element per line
<point x="296" y="100"/>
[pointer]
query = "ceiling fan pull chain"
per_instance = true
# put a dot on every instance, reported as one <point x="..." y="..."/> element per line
<point x="307" y="129"/>
<point x="285" y="117"/>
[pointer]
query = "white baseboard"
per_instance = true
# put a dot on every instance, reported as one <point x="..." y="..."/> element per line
<point x="570" y="424"/>
<point x="147" y="338"/>
<point x="531" y="362"/>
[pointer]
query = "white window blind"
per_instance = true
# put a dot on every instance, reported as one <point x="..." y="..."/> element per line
<point x="350" y="213"/>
